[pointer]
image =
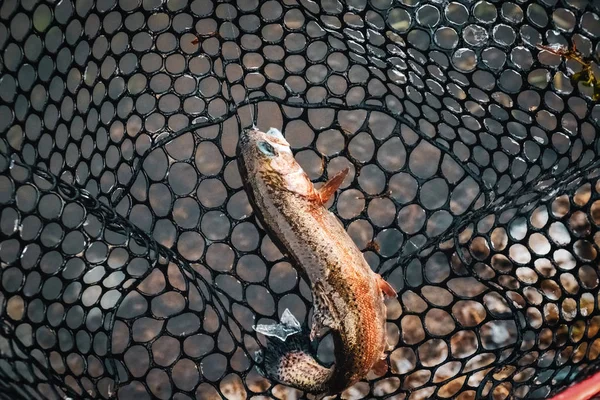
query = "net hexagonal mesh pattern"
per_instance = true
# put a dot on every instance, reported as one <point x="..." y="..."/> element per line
<point x="131" y="263"/>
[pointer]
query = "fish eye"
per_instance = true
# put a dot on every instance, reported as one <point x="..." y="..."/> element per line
<point x="266" y="149"/>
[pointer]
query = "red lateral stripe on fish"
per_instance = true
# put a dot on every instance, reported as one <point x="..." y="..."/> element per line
<point x="347" y="295"/>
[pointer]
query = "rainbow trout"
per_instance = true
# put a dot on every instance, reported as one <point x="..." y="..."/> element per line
<point x="348" y="297"/>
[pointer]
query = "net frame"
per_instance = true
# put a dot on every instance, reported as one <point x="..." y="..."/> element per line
<point x="389" y="48"/>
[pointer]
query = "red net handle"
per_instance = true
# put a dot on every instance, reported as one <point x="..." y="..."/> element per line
<point x="583" y="390"/>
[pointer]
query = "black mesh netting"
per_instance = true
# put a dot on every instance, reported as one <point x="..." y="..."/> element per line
<point x="131" y="264"/>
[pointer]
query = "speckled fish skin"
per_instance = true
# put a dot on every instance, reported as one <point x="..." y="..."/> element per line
<point x="342" y="283"/>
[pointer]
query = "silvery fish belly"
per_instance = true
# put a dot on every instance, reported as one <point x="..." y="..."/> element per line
<point x="348" y="296"/>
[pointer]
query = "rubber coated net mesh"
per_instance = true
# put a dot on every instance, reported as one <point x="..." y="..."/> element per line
<point x="131" y="263"/>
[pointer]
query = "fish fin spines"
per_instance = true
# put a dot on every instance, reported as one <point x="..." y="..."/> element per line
<point x="326" y="191"/>
<point x="386" y="288"/>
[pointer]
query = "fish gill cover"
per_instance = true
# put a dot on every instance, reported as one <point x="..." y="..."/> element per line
<point x="131" y="263"/>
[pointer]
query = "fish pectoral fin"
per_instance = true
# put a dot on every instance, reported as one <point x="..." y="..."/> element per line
<point x="319" y="326"/>
<point x="322" y="320"/>
<point x="324" y="315"/>
<point x="380" y="367"/>
<point x="326" y="191"/>
<point x="386" y="288"/>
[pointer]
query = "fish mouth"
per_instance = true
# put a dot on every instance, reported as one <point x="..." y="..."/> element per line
<point x="246" y="134"/>
<point x="250" y="130"/>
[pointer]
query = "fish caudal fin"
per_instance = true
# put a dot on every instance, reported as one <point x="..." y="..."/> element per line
<point x="287" y="358"/>
<point x="386" y="288"/>
<point x="288" y="326"/>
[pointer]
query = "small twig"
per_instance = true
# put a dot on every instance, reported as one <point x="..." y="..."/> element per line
<point x="383" y="195"/>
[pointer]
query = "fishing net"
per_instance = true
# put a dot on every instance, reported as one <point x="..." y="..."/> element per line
<point x="132" y="265"/>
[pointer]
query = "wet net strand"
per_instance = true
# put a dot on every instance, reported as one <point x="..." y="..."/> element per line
<point x="131" y="262"/>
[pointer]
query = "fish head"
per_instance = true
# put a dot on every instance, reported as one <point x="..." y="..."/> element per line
<point x="267" y="156"/>
<point x="260" y="151"/>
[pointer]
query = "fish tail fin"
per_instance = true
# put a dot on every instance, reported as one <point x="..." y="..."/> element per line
<point x="291" y="363"/>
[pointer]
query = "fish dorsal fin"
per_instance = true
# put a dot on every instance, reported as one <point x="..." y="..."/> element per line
<point x="326" y="191"/>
